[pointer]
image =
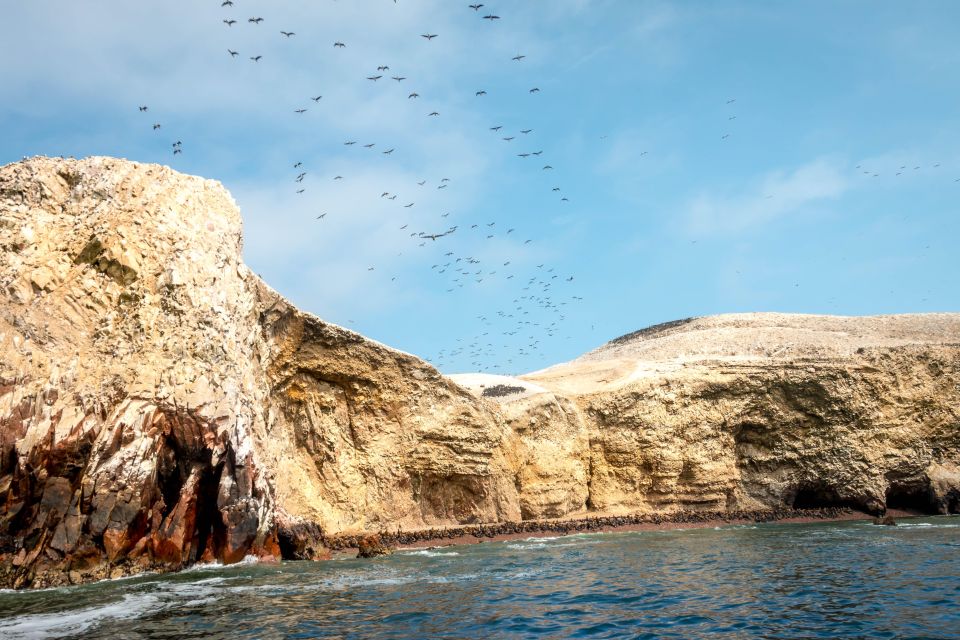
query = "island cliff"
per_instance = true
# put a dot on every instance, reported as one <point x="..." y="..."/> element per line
<point x="160" y="405"/>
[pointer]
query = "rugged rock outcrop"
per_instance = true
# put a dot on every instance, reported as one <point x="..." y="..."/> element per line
<point x="753" y="411"/>
<point x="160" y="405"/>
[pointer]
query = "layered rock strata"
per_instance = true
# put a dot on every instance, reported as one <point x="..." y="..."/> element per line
<point x="160" y="405"/>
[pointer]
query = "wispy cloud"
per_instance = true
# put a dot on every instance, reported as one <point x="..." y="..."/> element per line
<point x="774" y="195"/>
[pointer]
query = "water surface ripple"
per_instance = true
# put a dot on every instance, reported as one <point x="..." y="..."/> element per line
<point x="821" y="580"/>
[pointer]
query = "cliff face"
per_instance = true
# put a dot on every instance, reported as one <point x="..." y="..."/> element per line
<point x="759" y="411"/>
<point x="160" y="405"/>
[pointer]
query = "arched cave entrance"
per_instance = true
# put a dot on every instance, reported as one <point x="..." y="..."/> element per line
<point x="818" y="495"/>
<point x="916" y="496"/>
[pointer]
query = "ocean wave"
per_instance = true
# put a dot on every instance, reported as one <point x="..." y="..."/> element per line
<point x="72" y="623"/>
<point x="430" y="553"/>
<point x="212" y="566"/>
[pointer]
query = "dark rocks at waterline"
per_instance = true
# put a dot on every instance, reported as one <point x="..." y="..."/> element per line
<point x="581" y="525"/>
<point x="886" y="521"/>
<point x="371" y="546"/>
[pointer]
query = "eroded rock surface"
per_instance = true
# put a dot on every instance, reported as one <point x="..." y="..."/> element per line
<point x="160" y="405"/>
<point x="752" y="412"/>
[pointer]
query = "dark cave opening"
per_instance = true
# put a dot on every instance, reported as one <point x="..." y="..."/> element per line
<point x="210" y="530"/>
<point x="288" y="545"/>
<point x="170" y="475"/>
<point x="917" y="497"/>
<point x="821" y="496"/>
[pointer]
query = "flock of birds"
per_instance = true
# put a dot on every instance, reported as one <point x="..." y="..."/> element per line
<point x="535" y="312"/>
<point x="537" y="308"/>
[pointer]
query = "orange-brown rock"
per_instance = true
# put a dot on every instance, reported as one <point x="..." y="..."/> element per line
<point x="160" y="405"/>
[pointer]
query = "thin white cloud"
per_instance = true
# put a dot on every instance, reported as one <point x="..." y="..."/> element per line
<point x="775" y="195"/>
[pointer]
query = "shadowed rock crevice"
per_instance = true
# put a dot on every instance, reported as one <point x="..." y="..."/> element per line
<point x="916" y="496"/>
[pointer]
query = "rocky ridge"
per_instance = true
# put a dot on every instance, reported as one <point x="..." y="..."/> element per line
<point x="160" y="405"/>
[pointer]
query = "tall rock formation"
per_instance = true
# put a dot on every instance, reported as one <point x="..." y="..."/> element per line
<point x="160" y="405"/>
<point x="746" y="412"/>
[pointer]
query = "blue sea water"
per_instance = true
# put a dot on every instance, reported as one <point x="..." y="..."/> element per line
<point x="821" y="580"/>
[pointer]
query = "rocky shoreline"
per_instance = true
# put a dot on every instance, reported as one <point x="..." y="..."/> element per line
<point x="502" y="530"/>
<point x="162" y="406"/>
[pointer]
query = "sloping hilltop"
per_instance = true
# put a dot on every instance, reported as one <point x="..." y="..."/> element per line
<point x="747" y="411"/>
<point x="160" y="405"/>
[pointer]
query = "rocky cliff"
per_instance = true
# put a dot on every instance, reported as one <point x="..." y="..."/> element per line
<point x="160" y="405"/>
<point x="747" y="412"/>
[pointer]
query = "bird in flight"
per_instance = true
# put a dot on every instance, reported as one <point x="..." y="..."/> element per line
<point x="525" y="131"/>
<point x="429" y="36"/>
<point x="317" y="99"/>
<point x="475" y="7"/>
<point x="300" y="111"/>
<point x="383" y="67"/>
<point x="298" y="165"/>
<point x="321" y="216"/>
<point x="523" y="155"/>
<point x="369" y="146"/>
<point x="399" y="78"/>
<point x="226" y="3"/>
<point x="255" y="20"/>
<point x="491" y="17"/>
<point x="518" y="57"/>
<point x="413" y="95"/>
<point x="407" y="206"/>
<point x="144" y="108"/>
<point x="433" y="113"/>
<point x="256" y="58"/>
<point x="374" y="78"/>
<point x="287" y="34"/>
<point x="547" y="167"/>
<point x="339" y="44"/>
<point x="509" y="138"/>
<point x="535" y="90"/>
<point x="349" y="142"/>
<point x="229" y="23"/>
<point x="156" y="126"/>
<point x="536" y="153"/>
<point x="338" y="178"/>
<point x="481" y="93"/>
<point x="233" y="53"/>
<point x="388" y="152"/>
<point x="496" y="128"/>
<point x="422" y="183"/>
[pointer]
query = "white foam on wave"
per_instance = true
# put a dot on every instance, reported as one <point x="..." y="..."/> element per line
<point x="926" y="525"/>
<point x="430" y="553"/>
<point x="72" y="623"/>
<point x="209" y="566"/>
<point x="159" y="597"/>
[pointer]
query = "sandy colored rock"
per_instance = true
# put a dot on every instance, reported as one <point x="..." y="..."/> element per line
<point x="764" y="410"/>
<point x="160" y="405"/>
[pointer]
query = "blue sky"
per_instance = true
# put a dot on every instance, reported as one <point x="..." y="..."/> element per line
<point x="716" y="157"/>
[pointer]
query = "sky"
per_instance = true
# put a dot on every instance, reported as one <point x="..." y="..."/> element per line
<point x="704" y="157"/>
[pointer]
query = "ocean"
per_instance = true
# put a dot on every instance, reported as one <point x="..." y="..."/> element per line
<point x="846" y="579"/>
